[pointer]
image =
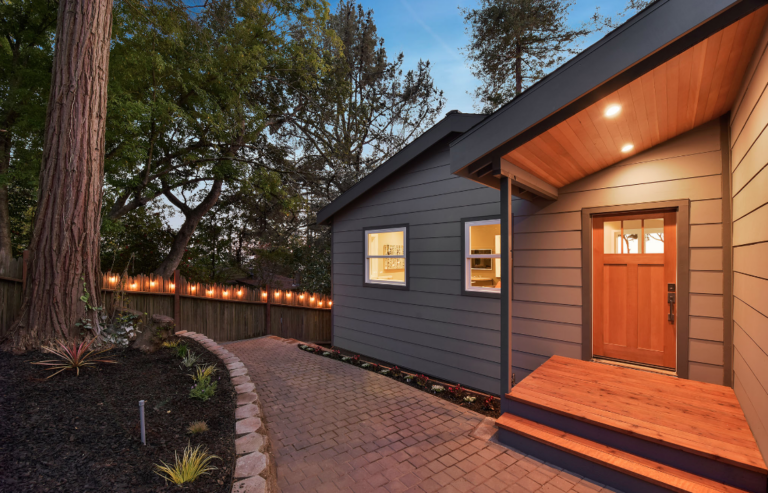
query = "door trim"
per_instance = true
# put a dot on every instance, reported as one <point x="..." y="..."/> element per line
<point x="683" y="227"/>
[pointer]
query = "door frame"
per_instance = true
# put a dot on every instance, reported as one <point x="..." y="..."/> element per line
<point x="682" y="207"/>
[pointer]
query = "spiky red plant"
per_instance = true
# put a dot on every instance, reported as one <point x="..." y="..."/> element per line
<point x="73" y="356"/>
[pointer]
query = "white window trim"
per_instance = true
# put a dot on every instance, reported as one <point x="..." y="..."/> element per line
<point x="467" y="257"/>
<point x="368" y="279"/>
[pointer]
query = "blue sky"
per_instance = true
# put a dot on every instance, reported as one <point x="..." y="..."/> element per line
<point x="433" y="30"/>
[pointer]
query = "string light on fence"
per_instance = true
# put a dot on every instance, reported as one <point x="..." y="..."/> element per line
<point x="311" y="298"/>
<point x="151" y="283"/>
<point x="240" y="292"/>
<point x="264" y="294"/>
<point x="301" y="296"/>
<point x="330" y="303"/>
<point x="288" y="294"/>
<point x="173" y="286"/>
<point x="226" y="293"/>
<point x="192" y="288"/>
<point x="133" y="286"/>
<point x="319" y="303"/>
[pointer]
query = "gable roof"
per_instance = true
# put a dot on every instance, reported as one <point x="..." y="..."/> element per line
<point x="660" y="32"/>
<point x="453" y="123"/>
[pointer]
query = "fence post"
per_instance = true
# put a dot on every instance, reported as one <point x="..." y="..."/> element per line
<point x="177" y="298"/>
<point x="24" y="266"/>
<point x="268" y="317"/>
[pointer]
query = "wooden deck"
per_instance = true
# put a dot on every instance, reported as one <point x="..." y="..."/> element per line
<point x="695" y="418"/>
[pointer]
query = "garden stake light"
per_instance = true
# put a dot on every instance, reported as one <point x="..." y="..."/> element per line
<point x="141" y="418"/>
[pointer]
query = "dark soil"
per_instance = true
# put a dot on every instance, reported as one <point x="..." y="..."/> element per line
<point x="81" y="433"/>
<point x="481" y="404"/>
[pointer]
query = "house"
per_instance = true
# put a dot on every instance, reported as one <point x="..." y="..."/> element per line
<point x="629" y="189"/>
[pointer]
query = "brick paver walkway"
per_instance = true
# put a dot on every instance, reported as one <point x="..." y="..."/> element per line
<point x="335" y="427"/>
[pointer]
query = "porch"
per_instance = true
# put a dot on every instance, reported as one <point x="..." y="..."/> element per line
<point x="635" y="430"/>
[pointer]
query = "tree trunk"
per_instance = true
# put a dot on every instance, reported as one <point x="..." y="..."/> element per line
<point x="192" y="218"/>
<point x="6" y="247"/>
<point x="64" y="251"/>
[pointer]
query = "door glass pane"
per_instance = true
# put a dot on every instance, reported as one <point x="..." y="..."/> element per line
<point x="387" y="269"/>
<point x="632" y="231"/>
<point x="612" y="236"/>
<point x="654" y="235"/>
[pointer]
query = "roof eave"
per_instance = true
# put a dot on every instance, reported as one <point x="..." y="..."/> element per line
<point x="650" y="38"/>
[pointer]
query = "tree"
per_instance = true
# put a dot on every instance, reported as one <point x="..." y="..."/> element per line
<point x="362" y="111"/>
<point x="514" y="43"/>
<point x="63" y="275"/>
<point x="196" y="89"/>
<point x="26" y="55"/>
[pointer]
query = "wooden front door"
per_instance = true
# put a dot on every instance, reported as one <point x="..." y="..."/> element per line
<point x="635" y="265"/>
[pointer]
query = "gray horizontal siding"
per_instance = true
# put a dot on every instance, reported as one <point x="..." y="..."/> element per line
<point x="749" y="189"/>
<point x="430" y="328"/>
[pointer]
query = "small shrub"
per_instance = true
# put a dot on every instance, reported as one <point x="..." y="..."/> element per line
<point x="408" y="378"/>
<point x="456" y="391"/>
<point x="384" y="372"/>
<point x="470" y="399"/>
<point x="365" y="365"/>
<point x="303" y="346"/>
<point x="318" y="350"/>
<point x="421" y="380"/>
<point x="73" y="356"/>
<point x="120" y="330"/>
<point x="374" y="367"/>
<point x="396" y="372"/>
<point x="189" y="360"/>
<point x="346" y="359"/>
<point x="326" y="353"/>
<point x="197" y="427"/>
<point x="437" y="389"/>
<point x="356" y="359"/>
<point x="194" y="463"/>
<point x="204" y="387"/>
<point x="335" y="354"/>
<point x="171" y="344"/>
<point x="181" y="350"/>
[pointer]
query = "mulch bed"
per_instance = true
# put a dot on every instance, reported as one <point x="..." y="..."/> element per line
<point x="78" y="434"/>
<point x="485" y="404"/>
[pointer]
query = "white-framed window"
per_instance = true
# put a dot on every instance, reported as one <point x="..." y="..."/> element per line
<point x="385" y="256"/>
<point x="482" y="256"/>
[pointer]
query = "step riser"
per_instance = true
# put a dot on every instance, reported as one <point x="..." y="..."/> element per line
<point x="679" y="459"/>
<point x="586" y="468"/>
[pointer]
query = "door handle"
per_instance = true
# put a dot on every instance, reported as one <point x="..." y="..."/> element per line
<point x="671" y="301"/>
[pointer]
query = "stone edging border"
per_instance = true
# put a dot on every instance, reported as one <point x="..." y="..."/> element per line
<point x="252" y="469"/>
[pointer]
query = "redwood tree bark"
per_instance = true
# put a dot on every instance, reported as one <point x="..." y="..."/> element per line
<point x="64" y="251"/>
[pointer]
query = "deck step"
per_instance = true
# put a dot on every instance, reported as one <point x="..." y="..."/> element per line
<point x="644" y="470"/>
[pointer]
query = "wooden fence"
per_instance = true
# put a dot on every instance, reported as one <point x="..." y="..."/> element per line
<point x="222" y="312"/>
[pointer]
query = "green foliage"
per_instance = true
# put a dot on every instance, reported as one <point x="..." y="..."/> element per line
<point x="194" y="463"/>
<point x="72" y="356"/>
<point x="514" y="43"/>
<point x="26" y="56"/>
<point x="189" y="359"/>
<point x="363" y="110"/>
<point x="181" y="350"/>
<point x="140" y="239"/>
<point x="204" y="386"/>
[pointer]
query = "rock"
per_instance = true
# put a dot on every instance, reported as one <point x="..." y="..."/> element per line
<point x="256" y="484"/>
<point x="250" y="465"/>
<point x="158" y="329"/>
<point x="248" y="425"/>
<point x="252" y="442"/>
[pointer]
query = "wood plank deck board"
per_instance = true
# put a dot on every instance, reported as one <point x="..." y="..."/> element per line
<point x="703" y="419"/>
<point x="658" y="412"/>
<point x="653" y="472"/>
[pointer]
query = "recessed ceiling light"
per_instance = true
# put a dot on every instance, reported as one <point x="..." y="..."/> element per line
<point x="627" y="148"/>
<point x="612" y="110"/>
